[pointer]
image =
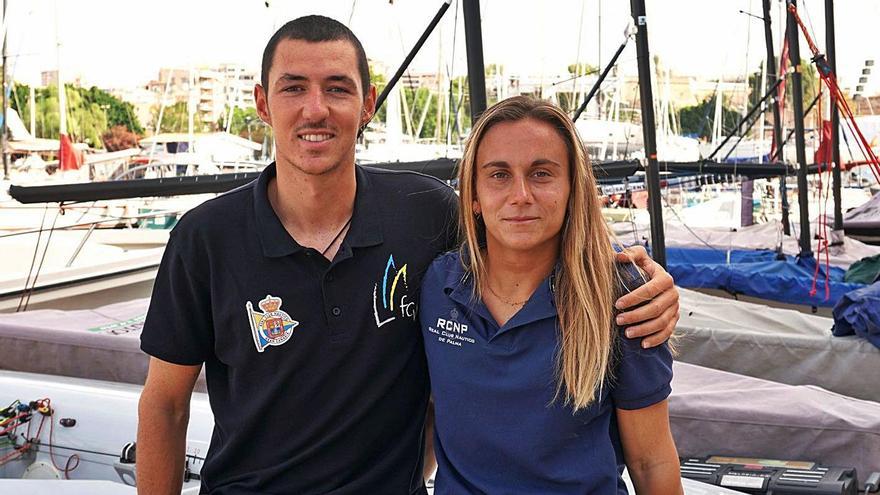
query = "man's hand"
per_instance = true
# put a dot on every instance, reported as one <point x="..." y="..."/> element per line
<point x="655" y="320"/>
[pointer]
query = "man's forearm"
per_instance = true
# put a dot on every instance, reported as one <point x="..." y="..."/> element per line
<point x="161" y="449"/>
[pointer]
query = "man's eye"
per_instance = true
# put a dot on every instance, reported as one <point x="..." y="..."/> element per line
<point x="292" y="89"/>
<point x="338" y="90"/>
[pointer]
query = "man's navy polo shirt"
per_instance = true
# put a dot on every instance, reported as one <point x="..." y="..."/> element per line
<point x="498" y="428"/>
<point x="315" y="370"/>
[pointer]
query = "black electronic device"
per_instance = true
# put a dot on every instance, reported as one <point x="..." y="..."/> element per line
<point x="769" y="476"/>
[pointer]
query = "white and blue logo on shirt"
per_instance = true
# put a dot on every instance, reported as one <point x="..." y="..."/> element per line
<point x="449" y="330"/>
<point x="391" y="298"/>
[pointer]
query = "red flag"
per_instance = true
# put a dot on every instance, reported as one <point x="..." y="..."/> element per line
<point x="823" y="152"/>
<point x="68" y="157"/>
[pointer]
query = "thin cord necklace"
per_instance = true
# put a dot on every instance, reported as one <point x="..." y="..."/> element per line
<point x="505" y="301"/>
<point x="336" y="237"/>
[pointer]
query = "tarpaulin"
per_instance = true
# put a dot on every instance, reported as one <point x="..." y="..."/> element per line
<point x="714" y="412"/>
<point x="858" y="313"/>
<point x="756" y="273"/>
<point x="781" y="345"/>
<point x="864" y="271"/>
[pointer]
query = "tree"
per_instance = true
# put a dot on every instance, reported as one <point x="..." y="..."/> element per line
<point x="175" y="118"/>
<point x="246" y="123"/>
<point x="698" y="120"/>
<point x="417" y="98"/>
<point x="118" y="138"/>
<point x="581" y="69"/>
<point x="810" y="82"/>
<point x="90" y="112"/>
<point x="118" y="112"/>
<point x="379" y="81"/>
<point x="459" y="105"/>
<point x="85" y="121"/>
<point x="494" y="70"/>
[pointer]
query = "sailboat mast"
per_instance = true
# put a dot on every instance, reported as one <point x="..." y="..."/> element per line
<point x="476" y="71"/>
<point x="761" y="118"/>
<point x="32" y="103"/>
<point x="772" y="77"/>
<point x="62" y="96"/>
<point x="652" y="169"/>
<point x="191" y="104"/>
<point x="794" y="55"/>
<point x="3" y="128"/>
<point x="831" y="56"/>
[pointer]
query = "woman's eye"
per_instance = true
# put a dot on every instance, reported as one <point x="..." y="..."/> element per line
<point x="498" y="174"/>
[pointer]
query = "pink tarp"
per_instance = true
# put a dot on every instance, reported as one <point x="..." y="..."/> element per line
<point x="719" y="413"/>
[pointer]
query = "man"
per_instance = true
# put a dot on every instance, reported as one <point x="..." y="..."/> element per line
<point x="298" y="292"/>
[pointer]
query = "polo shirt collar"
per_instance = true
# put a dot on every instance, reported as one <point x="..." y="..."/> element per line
<point x="542" y="304"/>
<point x="366" y="224"/>
<point x="366" y="221"/>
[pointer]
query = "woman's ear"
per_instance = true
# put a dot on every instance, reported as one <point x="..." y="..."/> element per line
<point x="476" y="208"/>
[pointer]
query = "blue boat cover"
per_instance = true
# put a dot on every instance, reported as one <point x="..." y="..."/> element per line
<point x="858" y="313"/>
<point x="756" y="273"/>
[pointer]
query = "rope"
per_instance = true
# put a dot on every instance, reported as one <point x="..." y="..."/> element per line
<point x="27" y="280"/>
<point x="837" y="98"/>
<point x="42" y="259"/>
<point x="822" y="234"/>
<point x="830" y="80"/>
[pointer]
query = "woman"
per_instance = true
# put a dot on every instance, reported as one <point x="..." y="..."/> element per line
<point x="535" y="390"/>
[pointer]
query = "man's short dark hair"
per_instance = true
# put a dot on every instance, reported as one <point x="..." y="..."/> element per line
<point x="314" y="29"/>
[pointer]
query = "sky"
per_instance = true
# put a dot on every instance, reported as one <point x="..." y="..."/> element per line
<point x="123" y="43"/>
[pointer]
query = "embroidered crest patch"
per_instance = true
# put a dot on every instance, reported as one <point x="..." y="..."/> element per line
<point x="272" y="326"/>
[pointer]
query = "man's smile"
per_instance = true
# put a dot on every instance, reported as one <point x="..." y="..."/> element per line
<point x="316" y="137"/>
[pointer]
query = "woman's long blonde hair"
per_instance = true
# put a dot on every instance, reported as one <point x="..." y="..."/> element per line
<point x="586" y="279"/>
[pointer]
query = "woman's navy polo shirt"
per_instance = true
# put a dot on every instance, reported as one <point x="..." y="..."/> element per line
<point x="498" y="428"/>
<point x="315" y="369"/>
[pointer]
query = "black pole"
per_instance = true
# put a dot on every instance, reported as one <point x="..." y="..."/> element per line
<point x="772" y="75"/>
<point x="775" y="156"/>
<point x="797" y="96"/>
<point x="473" y="34"/>
<point x="5" y="127"/>
<point x="599" y="81"/>
<point x="652" y="169"/>
<point x="835" y="118"/>
<point x="412" y="53"/>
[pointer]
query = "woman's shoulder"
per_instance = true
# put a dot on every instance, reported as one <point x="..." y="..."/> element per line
<point x="445" y="268"/>
<point x="449" y="261"/>
<point x="443" y="277"/>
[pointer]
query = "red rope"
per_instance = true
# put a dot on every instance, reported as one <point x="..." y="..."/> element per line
<point x="839" y="101"/>
<point x="44" y="408"/>
<point x="837" y="96"/>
